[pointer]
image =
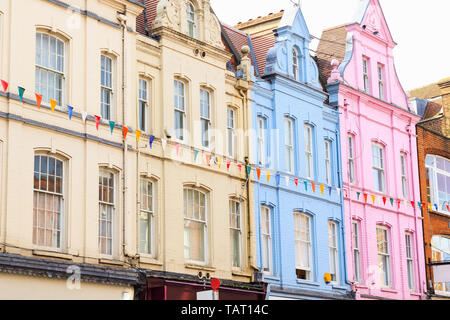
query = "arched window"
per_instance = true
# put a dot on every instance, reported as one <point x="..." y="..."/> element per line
<point x="295" y="68"/>
<point x="50" y="68"/>
<point x="195" y="225"/>
<point x="191" y="20"/>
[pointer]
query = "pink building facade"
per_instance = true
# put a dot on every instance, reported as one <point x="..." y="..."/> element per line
<point x="383" y="226"/>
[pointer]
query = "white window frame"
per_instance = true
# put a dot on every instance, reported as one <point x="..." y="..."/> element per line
<point x="381" y="86"/>
<point x="231" y="132"/>
<point x="50" y="199"/>
<point x="51" y="73"/>
<point x="191" y="20"/>
<point x="289" y="144"/>
<point x="262" y="153"/>
<point x="351" y="158"/>
<point x="180" y="109"/>
<point x="366" y="75"/>
<point x="404" y="173"/>
<point x="434" y="194"/>
<point x="236" y="227"/>
<point x="105" y="204"/>
<point x="106" y="110"/>
<point x="143" y="105"/>
<point x="333" y="247"/>
<point x="380" y="170"/>
<point x="299" y="218"/>
<point x="205" y="119"/>
<point x="410" y="260"/>
<point x="147" y="215"/>
<point x="266" y="237"/>
<point x="328" y="164"/>
<point x="198" y="220"/>
<point x="385" y="266"/>
<point x="295" y="64"/>
<point x="309" y="151"/>
<point x="356" y="251"/>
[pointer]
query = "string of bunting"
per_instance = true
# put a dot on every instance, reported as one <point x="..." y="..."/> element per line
<point x="209" y="159"/>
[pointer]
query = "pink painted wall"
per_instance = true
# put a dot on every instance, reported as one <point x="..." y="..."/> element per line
<point x="370" y="119"/>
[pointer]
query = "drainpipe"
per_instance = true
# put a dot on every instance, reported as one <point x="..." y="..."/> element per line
<point x="123" y="22"/>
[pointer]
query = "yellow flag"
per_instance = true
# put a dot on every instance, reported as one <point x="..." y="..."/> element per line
<point x="220" y="162"/>
<point x="430" y="206"/>
<point x="138" y="135"/>
<point x="53" y="104"/>
<point x="268" y="176"/>
<point x="373" y="199"/>
<point x="321" y="188"/>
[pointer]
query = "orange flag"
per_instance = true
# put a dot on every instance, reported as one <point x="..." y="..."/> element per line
<point x="365" y="197"/>
<point x="38" y="100"/>
<point x="313" y="187"/>
<point x="125" y="132"/>
<point x="268" y="176"/>
<point x="258" y="173"/>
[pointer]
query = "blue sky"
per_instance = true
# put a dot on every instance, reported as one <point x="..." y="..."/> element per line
<point x="420" y="28"/>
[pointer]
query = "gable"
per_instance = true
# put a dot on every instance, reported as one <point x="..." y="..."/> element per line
<point x="374" y="21"/>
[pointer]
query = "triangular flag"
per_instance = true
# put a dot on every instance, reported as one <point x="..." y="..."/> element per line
<point x="70" y="111"/>
<point x="329" y="191"/>
<point x="38" y="100"/>
<point x="321" y="188"/>
<point x="138" y="136"/>
<point x="306" y="185"/>
<point x="152" y="138"/>
<point x="5" y="85"/>
<point x="208" y="159"/>
<point x="277" y="178"/>
<point x="313" y="185"/>
<point x="436" y="206"/>
<point x="358" y="194"/>
<point x="287" y="181"/>
<point x="345" y="193"/>
<point x="53" y="104"/>
<point x="21" y="92"/>
<point x="365" y="197"/>
<point x="125" y="132"/>
<point x="164" y="144"/>
<point x="296" y="182"/>
<point x="177" y="148"/>
<point x="97" y="121"/>
<point x="339" y="192"/>
<point x="258" y="173"/>
<point x="84" y="115"/>
<point x="240" y="167"/>
<point x="430" y="207"/>
<point x="373" y="199"/>
<point x="412" y="204"/>
<point x="228" y="165"/>
<point x="249" y="170"/>
<point x="392" y="202"/>
<point x="399" y="201"/>
<point x="448" y="207"/>
<point x="268" y="176"/>
<point x="384" y="200"/>
<point x="220" y="162"/>
<point x="112" y="125"/>
<point x="195" y="155"/>
<point x="420" y="205"/>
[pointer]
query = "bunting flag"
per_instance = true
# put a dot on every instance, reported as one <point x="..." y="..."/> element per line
<point x="306" y="185"/>
<point x="412" y="204"/>
<point x="321" y="188"/>
<point x="430" y="207"/>
<point x="249" y="170"/>
<point x="296" y="182"/>
<point x="220" y="162"/>
<point x="329" y="191"/>
<point x="138" y="136"/>
<point x="373" y="199"/>
<point x="84" y="115"/>
<point x="286" y="178"/>
<point x="228" y="165"/>
<point x="365" y="197"/>
<point x="208" y="159"/>
<point x="313" y="185"/>
<point x="164" y="144"/>
<point x="277" y="178"/>
<point x="5" y="85"/>
<point x="384" y="200"/>
<point x="53" y="104"/>
<point x="268" y="176"/>
<point x="258" y="173"/>
<point x="70" y="111"/>
<point x="152" y="138"/>
<point x="345" y="193"/>
<point x="436" y="206"/>
<point x="195" y="155"/>
<point x="392" y="202"/>
<point x="177" y="148"/>
<point x="240" y="167"/>
<point x="358" y="194"/>
<point x="399" y="203"/>
<point x="338" y="191"/>
<point x="448" y="207"/>
<point x="21" y="92"/>
<point x="112" y="125"/>
<point x="97" y="121"/>
<point x="420" y="205"/>
<point x="125" y="132"/>
<point x="38" y="100"/>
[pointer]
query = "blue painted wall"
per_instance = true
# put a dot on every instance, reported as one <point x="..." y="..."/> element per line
<point x="276" y="96"/>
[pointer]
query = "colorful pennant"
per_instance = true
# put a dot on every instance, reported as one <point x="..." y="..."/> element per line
<point x="249" y="170"/>
<point x="53" y="104"/>
<point x="21" y="92"/>
<point x="258" y="173"/>
<point x="268" y="176"/>
<point x="152" y="138"/>
<point x="138" y="136"/>
<point x="277" y="179"/>
<point x="38" y="100"/>
<point x="321" y="188"/>
<point x="5" y="85"/>
<point x="313" y="185"/>
<point x="84" y="115"/>
<point x="70" y="109"/>
<point x="97" y="121"/>
<point x="125" y="132"/>
<point x="195" y="155"/>
<point x="112" y="125"/>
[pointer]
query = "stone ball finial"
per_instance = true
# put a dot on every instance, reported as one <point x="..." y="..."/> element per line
<point x="245" y="50"/>
<point x="335" y="63"/>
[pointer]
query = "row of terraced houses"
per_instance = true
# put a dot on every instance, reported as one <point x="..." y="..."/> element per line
<point x="146" y="147"/>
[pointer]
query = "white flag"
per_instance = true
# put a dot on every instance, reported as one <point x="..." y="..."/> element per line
<point x="338" y="191"/>
<point x="164" y="143"/>
<point x="84" y="115"/>
<point x="287" y="181"/>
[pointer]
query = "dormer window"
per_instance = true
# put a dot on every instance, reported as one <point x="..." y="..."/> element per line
<point x="295" y="63"/>
<point x="191" y="25"/>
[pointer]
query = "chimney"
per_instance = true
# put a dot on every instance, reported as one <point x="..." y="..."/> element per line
<point x="444" y="85"/>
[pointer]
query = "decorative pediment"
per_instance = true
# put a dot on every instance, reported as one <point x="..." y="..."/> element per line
<point x="373" y="20"/>
<point x="193" y="18"/>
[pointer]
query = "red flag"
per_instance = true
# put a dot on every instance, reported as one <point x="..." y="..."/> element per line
<point x="5" y="85"/>
<point x="208" y="159"/>
<point x="296" y="182"/>
<point x="365" y="197"/>
<point x="97" y="121"/>
<point x="412" y="204"/>
<point x="177" y="147"/>
<point x="448" y="207"/>
<point x="228" y="164"/>
<point x="384" y="200"/>
<point x="240" y="167"/>
<point x="125" y="132"/>
<point x="399" y="202"/>
<point x="258" y="173"/>
<point x="38" y="100"/>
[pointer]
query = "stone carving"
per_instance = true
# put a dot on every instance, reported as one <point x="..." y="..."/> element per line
<point x="167" y="15"/>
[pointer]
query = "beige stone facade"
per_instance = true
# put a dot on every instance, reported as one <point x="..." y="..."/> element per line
<point x="72" y="225"/>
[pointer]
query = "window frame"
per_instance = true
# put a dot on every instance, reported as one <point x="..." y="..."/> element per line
<point x="144" y="122"/>
<point x="351" y="158"/>
<point x="381" y="86"/>
<point x="151" y="219"/>
<point x="113" y="205"/>
<point x="205" y="119"/>
<point x="269" y="236"/>
<point x="381" y="169"/>
<point x="190" y="10"/>
<point x="404" y="175"/>
<point x="366" y="75"/>
<point x="328" y="162"/>
<point x="295" y="64"/>
<point x="180" y="136"/>
<point x="356" y="231"/>
<point x="432" y="182"/>
<point x="231" y="132"/>
<point x="262" y="141"/>
<point x="409" y="254"/>
<point x="289" y="144"/>
<point x="387" y="255"/>
<point x="104" y="88"/>
<point x="309" y="270"/>
<point x="309" y="152"/>
<point x="334" y="251"/>
<point x="238" y="229"/>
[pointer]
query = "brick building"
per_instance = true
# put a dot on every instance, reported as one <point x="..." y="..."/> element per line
<point x="434" y="172"/>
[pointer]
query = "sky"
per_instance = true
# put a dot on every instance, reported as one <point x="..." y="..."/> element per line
<point x="420" y="29"/>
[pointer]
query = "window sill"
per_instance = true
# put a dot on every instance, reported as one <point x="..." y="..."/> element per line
<point x="199" y="267"/>
<point x="308" y="283"/>
<point x="52" y="254"/>
<point x="338" y="287"/>
<point x="271" y="278"/>
<point x="150" y="260"/>
<point x="109" y="261"/>
<point x="388" y="290"/>
<point x="240" y="274"/>
<point x="415" y="294"/>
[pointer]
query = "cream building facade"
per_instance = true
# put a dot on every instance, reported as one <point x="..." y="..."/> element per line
<point x="115" y="213"/>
